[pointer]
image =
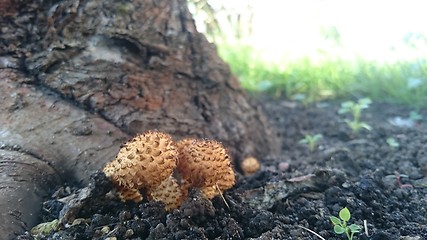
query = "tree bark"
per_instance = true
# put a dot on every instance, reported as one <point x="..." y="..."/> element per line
<point x="78" y="78"/>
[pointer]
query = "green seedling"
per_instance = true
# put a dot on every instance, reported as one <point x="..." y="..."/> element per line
<point x="415" y="116"/>
<point x="311" y="141"/>
<point x="341" y="224"/>
<point x="356" y="110"/>
<point x="392" y="142"/>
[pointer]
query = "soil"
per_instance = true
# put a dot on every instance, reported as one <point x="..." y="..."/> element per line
<point x="291" y="196"/>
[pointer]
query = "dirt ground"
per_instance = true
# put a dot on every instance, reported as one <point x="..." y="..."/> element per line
<point x="383" y="184"/>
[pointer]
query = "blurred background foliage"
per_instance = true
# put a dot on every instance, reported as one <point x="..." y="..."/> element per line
<point x="312" y="50"/>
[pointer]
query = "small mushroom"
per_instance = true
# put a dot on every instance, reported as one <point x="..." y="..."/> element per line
<point x="205" y="164"/>
<point x="142" y="163"/>
<point x="250" y="165"/>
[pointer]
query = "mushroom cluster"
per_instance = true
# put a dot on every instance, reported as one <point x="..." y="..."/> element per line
<point x="166" y="170"/>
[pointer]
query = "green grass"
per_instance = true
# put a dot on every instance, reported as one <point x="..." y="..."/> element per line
<point x="309" y="81"/>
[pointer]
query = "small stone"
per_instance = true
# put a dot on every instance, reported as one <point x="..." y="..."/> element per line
<point x="124" y="215"/>
<point x="129" y="233"/>
<point x="79" y="221"/>
<point x="105" y="229"/>
<point x="411" y="238"/>
<point x="283" y="166"/>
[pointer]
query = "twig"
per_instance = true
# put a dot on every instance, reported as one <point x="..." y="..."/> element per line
<point x="222" y="196"/>
<point x="365" y="224"/>
<point x="311" y="231"/>
<point x="399" y="181"/>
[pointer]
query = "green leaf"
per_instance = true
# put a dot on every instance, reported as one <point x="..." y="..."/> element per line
<point x="365" y="126"/>
<point x="355" y="228"/>
<point x="415" y="116"/>
<point x="392" y="142"/>
<point x="317" y="137"/>
<point x="343" y="110"/>
<point x="364" y="102"/>
<point x="347" y="105"/>
<point x="345" y="214"/>
<point x="338" y="229"/>
<point x="335" y="220"/>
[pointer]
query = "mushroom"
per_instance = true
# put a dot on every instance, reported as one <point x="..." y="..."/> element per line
<point x="205" y="164"/>
<point x="250" y="165"/>
<point x="147" y="162"/>
<point x="142" y="163"/>
<point x="169" y="193"/>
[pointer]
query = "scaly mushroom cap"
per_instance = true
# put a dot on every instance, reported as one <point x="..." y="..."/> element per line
<point x="143" y="162"/>
<point x="168" y="192"/>
<point x="250" y="165"/>
<point x="205" y="164"/>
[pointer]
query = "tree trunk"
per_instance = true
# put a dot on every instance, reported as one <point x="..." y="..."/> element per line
<point x="78" y="78"/>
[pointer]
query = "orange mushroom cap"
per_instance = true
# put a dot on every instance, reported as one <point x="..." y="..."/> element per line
<point x="143" y="162"/>
<point x="205" y="164"/>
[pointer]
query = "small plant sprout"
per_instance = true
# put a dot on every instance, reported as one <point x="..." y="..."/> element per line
<point x="392" y="142"/>
<point x="415" y="116"/>
<point x="341" y="226"/>
<point x="356" y="110"/>
<point x="311" y="141"/>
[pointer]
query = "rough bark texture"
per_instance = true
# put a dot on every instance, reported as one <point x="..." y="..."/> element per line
<point x="78" y="78"/>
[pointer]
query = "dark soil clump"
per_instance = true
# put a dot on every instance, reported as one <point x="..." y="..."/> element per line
<point x="383" y="185"/>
